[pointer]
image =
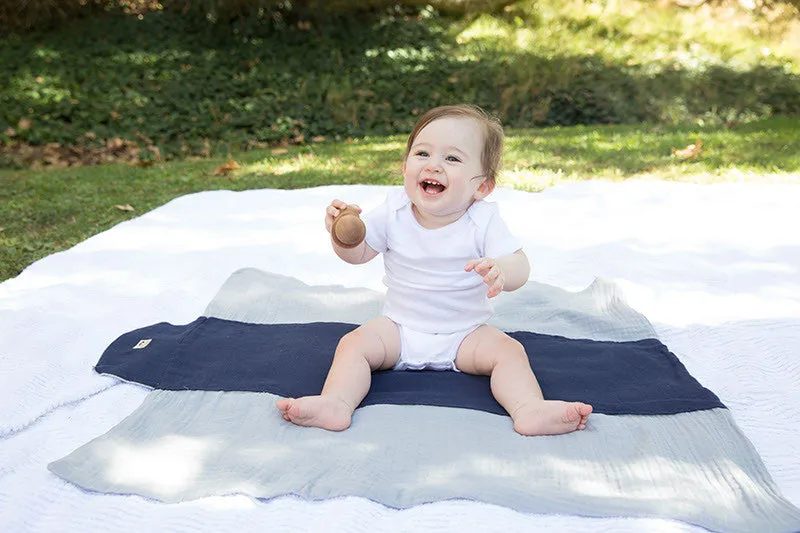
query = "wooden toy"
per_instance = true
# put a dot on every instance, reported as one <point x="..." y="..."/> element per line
<point x="348" y="230"/>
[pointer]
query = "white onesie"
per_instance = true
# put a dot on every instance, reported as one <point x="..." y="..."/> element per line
<point x="429" y="295"/>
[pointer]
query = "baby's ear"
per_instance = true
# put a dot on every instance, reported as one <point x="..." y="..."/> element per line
<point x="484" y="189"/>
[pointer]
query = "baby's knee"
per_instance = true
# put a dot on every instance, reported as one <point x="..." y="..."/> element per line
<point x="503" y="350"/>
<point x="353" y="341"/>
<point x="366" y="343"/>
<point x="512" y="346"/>
<point x="362" y="341"/>
<point x="512" y="349"/>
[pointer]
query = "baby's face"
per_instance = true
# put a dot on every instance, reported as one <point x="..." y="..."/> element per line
<point x="443" y="173"/>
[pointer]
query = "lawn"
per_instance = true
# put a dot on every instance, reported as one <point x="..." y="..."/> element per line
<point x="167" y="86"/>
<point x="48" y="210"/>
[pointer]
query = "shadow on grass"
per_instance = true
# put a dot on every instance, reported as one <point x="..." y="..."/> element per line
<point x="175" y="82"/>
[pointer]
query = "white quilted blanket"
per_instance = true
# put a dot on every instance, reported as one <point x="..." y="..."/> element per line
<point x="716" y="268"/>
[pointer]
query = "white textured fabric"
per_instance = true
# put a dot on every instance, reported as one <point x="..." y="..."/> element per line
<point x="428" y="289"/>
<point x="715" y="267"/>
<point x="598" y="312"/>
<point x="184" y="445"/>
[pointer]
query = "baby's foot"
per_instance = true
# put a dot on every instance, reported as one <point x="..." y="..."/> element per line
<point x="326" y="412"/>
<point x="550" y="417"/>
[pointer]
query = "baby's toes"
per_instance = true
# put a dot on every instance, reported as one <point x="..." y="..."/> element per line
<point x="284" y="404"/>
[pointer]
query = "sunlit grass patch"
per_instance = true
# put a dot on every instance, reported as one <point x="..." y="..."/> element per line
<point x="46" y="211"/>
<point x="622" y="152"/>
<point x="638" y="33"/>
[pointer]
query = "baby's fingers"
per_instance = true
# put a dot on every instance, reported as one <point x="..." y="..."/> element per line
<point x="337" y="206"/>
<point x="496" y="286"/>
<point x="480" y="266"/>
<point x="332" y="211"/>
<point x="334" y="208"/>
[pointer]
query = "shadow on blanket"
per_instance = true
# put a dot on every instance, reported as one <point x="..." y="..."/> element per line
<point x="186" y="444"/>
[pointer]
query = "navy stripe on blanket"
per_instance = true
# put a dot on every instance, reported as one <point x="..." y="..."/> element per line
<point x="638" y="377"/>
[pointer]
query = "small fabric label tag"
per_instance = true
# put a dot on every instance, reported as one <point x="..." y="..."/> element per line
<point x="142" y="343"/>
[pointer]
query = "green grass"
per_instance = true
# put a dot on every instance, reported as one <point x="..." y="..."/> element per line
<point x="643" y="33"/>
<point x="171" y="82"/>
<point x="46" y="211"/>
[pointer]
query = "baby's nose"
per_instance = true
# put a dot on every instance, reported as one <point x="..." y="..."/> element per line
<point x="434" y="166"/>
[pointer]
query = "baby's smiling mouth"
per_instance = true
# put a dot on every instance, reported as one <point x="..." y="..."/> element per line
<point x="430" y="186"/>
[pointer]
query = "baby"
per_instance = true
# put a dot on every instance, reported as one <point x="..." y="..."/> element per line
<point x="446" y="252"/>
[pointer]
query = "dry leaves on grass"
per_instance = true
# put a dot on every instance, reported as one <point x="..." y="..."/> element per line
<point x="689" y="152"/>
<point x="126" y="207"/>
<point x="226" y="168"/>
<point x="115" y="150"/>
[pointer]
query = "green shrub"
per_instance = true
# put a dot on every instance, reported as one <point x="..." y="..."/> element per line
<point x="185" y="86"/>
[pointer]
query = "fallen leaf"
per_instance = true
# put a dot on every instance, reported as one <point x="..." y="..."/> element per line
<point x="126" y="207"/>
<point x="318" y="139"/>
<point x="11" y="132"/>
<point x="140" y="163"/>
<point x="226" y="168"/>
<point x="689" y="152"/>
<point x="279" y="151"/>
<point x="25" y="124"/>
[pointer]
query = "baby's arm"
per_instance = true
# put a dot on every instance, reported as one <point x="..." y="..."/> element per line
<point x="506" y="273"/>
<point x="355" y="256"/>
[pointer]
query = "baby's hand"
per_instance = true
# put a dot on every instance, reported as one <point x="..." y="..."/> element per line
<point x="333" y="210"/>
<point x="489" y="270"/>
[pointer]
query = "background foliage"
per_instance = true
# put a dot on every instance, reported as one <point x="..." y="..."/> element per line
<point x="141" y="80"/>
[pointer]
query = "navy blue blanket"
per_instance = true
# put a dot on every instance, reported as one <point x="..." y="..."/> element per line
<point x="638" y="377"/>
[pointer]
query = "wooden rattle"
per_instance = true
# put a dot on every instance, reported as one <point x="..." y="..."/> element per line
<point x="348" y="230"/>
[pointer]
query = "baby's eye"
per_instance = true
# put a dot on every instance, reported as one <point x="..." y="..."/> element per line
<point x="453" y="158"/>
<point x="421" y="153"/>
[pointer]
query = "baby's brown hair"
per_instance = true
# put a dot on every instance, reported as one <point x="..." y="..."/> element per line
<point x="492" y="155"/>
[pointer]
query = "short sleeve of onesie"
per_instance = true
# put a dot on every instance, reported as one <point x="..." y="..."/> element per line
<point x="497" y="240"/>
<point x="377" y="220"/>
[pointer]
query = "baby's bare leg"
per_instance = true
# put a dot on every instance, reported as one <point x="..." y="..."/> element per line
<point x="373" y="346"/>
<point x="490" y="352"/>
